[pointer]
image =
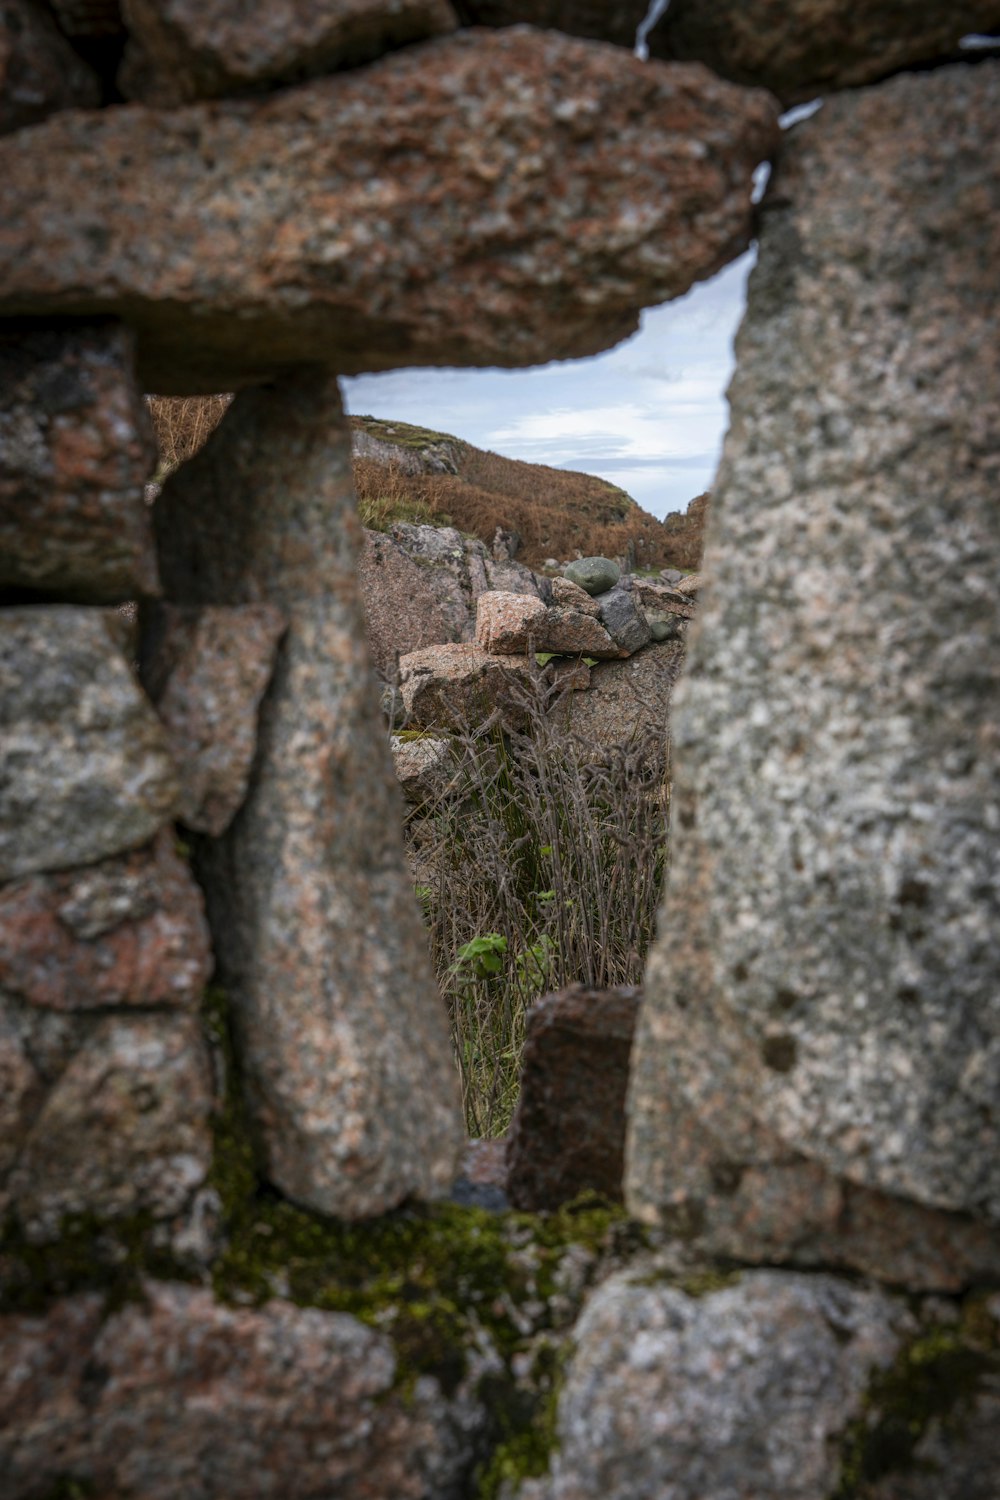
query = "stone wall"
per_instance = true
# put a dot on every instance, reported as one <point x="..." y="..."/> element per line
<point x="227" y="1107"/>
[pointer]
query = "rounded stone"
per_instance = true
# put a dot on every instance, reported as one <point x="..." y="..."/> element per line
<point x="595" y="574"/>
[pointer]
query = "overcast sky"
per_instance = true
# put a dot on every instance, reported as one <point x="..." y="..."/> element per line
<point x="649" y="415"/>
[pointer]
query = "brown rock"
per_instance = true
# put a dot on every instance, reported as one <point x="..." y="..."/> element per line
<point x="128" y="931"/>
<point x="123" y="1129"/>
<point x="507" y="624"/>
<point x="84" y="766"/>
<point x="662" y="599"/>
<point x="691" y="586"/>
<point x="567" y="631"/>
<point x="181" y="50"/>
<point x="591" y="18"/>
<point x="343" y="1037"/>
<point x="207" y="670"/>
<point x="571" y="596"/>
<point x="809" y="47"/>
<point x="75" y="452"/>
<point x="366" y="253"/>
<point x="455" y="686"/>
<point x="568" y="1132"/>
<point x="402" y="609"/>
<point x="626" y="699"/>
<point x="39" y="71"/>
<point x="822" y="1006"/>
<point x="567" y="675"/>
<point x="180" y="1395"/>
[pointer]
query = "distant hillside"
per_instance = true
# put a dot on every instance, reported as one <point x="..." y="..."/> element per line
<point x="414" y="473"/>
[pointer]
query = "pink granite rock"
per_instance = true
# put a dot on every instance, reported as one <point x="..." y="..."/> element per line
<point x="180" y="50"/>
<point x="343" y="1037"/>
<point x="76" y="449"/>
<point x="460" y="685"/>
<point x="207" y="670"/>
<point x="507" y="624"/>
<point x="129" y="931"/>
<point x="494" y="197"/>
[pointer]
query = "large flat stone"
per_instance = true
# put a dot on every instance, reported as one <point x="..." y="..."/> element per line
<point x="626" y="700"/>
<point x="343" y="1036"/>
<point x="76" y="449"/>
<point x="594" y="18"/>
<point x="822" y="1001"/>
<point x="460" y="686"/>
<point x="84" y="767"/>
<point x="809" y="47"/>
<point x="180" y="50"/>
<point x="496" y="197"/>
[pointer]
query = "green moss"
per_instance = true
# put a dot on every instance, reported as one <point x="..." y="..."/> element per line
<point x="67" y="1487"/>
<point x="933" y="1379"/>
<point x="529" y="1434"/>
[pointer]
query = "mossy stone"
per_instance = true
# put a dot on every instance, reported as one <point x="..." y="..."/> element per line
<point x="595" y="574"/>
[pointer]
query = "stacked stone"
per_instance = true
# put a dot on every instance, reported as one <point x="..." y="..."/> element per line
<point x="194" y="240"/>
<point x="104" y="949"/>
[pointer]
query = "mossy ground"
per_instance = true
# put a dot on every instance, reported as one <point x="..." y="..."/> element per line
<point x="933" y="1379"/>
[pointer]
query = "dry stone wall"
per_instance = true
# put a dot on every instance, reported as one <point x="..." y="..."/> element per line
<point x="219" y="1274"/>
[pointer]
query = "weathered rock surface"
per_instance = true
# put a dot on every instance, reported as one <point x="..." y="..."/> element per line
<point x="402" y="605"/>
<point x="366" y="253"/>
<point x="822" y="1016"/>
<point x="39" y="71"/>
<point x="507" y="624"/>
<point x="574" y="632"/>
<point x="625" y="698"/>
<point x="121" y="1128"/>
<point x="84" y="766"/>
<point x="592" y="18"/>
<point x="424" y="766"/>
<point x="343" y="1036"/>
<point x="745" y="1391"/>
<point x="571" y="596"/>
<point x="661" y="598"/>
<point x="568" y="1132"/>
<point x="178" y="1394"/>
<point x="595" y="575"/>
<point x="457" y="570"/>
<point x="207" y="670"/>
<point x="76" y="450"/>
<point x="130" y="931"/>
<point x="181" y="50"/>
<point x="455" y="686"/>
<point x="623" y="618"/>
<point x="809" y="47"/>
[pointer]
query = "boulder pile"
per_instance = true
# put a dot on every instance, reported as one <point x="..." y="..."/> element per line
<point x="227" y="1102"/>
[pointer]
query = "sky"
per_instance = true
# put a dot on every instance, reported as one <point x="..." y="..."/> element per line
<point x="648" y="415"/>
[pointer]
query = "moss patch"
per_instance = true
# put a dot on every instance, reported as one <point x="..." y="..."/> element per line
<point x="933" y="1379"/>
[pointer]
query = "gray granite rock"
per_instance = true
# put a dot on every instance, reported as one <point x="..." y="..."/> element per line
<point x="76" y="449"/>
<point x="623" y="618"/>
<point x="121" y="1127"/>
<point x="625" y="701"/>
<point x="593" y="574"/>
<point x="84" y="767"/>
<point x="343" y="1036"/>
<point x="822" y="1018"/>
<point x="425" y="767"/>
<point x="743" y="1392"/>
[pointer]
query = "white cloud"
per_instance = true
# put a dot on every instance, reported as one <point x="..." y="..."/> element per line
<point x="648" y="415"/>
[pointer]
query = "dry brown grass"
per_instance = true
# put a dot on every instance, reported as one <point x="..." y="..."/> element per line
<point x="182" y="424"/>
<point x="556" y="512"/>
